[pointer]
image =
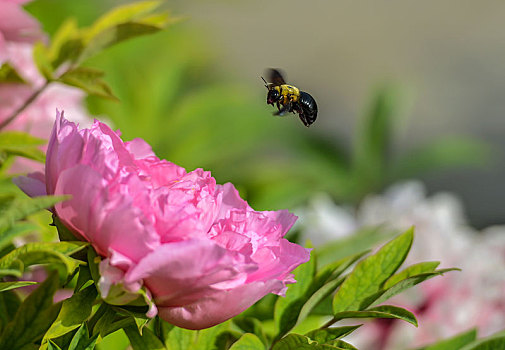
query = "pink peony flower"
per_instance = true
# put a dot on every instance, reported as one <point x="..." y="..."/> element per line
<point x="200" y="250"/>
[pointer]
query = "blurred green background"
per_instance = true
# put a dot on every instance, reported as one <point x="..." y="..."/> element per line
<point x="404" y="91"/>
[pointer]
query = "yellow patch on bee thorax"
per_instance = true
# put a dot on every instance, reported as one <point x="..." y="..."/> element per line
<point x="290" y="93"/>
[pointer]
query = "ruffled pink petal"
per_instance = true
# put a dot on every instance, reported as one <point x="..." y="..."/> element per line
<point x="107" y="221"/>
<point x="177" y="273"/>
<point x="230" y="200"/>
<point x="219" y="307"/>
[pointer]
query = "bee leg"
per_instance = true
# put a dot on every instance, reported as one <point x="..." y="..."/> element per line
<point x="285" y="109"/>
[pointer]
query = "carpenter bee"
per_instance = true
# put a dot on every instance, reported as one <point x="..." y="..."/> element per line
<point x="290" y="98"/>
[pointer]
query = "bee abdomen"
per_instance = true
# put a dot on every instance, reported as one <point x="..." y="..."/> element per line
<point x="309" y="108"/>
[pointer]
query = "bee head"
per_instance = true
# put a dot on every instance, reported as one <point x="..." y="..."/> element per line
<point x="273" y="96"/>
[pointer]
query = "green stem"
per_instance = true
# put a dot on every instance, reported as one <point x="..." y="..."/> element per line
<point x="21" y="108"/>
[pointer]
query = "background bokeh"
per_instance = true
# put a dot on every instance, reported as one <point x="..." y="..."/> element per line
<point x="194" y="93"/>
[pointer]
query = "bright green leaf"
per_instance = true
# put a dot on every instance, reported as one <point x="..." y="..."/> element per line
<point x="74" y="311"/>
<point x="299" y="342"/>
<point x="178" y="338"/>
<point x="454" y="343"/>
<point x="52" y="346"/>
<point x="493" y="342"/>
<point x="43" y="253"/>
<point x="122" y="14"/>
<point x="33" y="318"/>
<point x="369" y="275"/>
<point x="383" y="311"/>
<point x="18" y="143"/>
<point x="287" y="309"/>
<point x="20" y="208"/>
<point x="82" y="341"/>
<point x="146" y="341"/>
<point x="407" y="283"/>
<point x="248" y="341"/>
<point x="18" y="229"/>
<point x="4" y="286"/>
<point x="89" y="80"/>
<point x="416" y="269"/>
<point x="66" y="43"/>
<point x="326" y="335"/>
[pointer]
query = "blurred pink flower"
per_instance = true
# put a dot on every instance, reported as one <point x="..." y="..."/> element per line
<point x="18" y="31"/>
<point x="16" y="25"/>
<point x="203" y="253"/>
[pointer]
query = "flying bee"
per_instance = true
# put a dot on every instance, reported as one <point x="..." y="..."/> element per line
<point x="290" y="98"/>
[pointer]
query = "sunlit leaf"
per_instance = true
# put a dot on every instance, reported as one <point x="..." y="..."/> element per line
<point x="82" y="341"/>
<point x="287" y="309"/>
<point x="89" y="80"/>
<point x="383" y="311"/>
<point x="323" y="336"/>
<point x="74" y="311"/>
<point x="454" y="343"/>
<point x="18" y="143"/>
<point x="146" y="341"/>
<point x="248" y="341"/>
<point x="369" y="275"/>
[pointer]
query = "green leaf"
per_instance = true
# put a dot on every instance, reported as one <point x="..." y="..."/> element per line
<point x="89" y="80"/>
<point x="74" y="311"/>
<point x="287" y="309"/>
<point x="64" y="234"/>
<point x="66" y="44"/>
<point x="369" y="275"/>
<point x="146" y="341"/>
<point x="20" y="208"/>
<point x="34" y="316"/>
<point x="299" y="342"/>
<point x="248" y="341"/>
<point x="4" y="286"/>
<point x="18" y="229"/>
<point x="207" y="338"/>
<point x="52" y="346"/>
<point x="84" y="278"/>
<point x="456" y="342"/>
<point x="416" y="269"/>
<point x="8" y="74"/>
<point x="9" y="304"/>
<point x="383" y="311"/>
<point x="178" y="338"/>
<point x="82" y="341"/>
<point x="493" y="342"/>
<point x="122" y="14"/>
<point x="42" y="253"/>
<point x="18" y="143"/>
<point x="399" y="287"/>
<point x="326" y="335"/>
<point x="343" y="344"/>
<point x="42" y="60"/>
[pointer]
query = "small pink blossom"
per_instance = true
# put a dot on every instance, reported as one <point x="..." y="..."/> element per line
<point x="202" y="252"/>
<point x="18" y="32"/>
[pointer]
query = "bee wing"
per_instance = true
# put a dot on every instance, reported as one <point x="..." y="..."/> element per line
<point x="275" y="77"/>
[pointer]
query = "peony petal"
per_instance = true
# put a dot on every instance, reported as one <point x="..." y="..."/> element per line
<point x="33" y="184"/>
<point x="219" y="307"/>
<point x="109" y="221"/>
<point x="174" y="275"/>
